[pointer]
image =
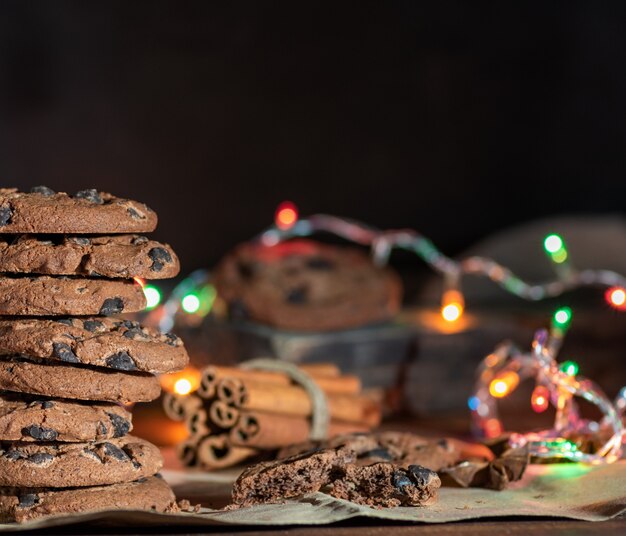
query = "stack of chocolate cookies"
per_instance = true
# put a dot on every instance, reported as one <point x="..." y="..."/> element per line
<point x="67" y="368"/>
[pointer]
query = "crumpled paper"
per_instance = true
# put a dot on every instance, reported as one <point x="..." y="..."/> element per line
<point x="566" y="490"/>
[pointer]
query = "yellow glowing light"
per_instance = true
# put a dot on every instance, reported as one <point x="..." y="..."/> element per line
<point x="560" y="256"/>
<point x="503" y="384"/>
<point x="452" y="304"/>
<point x="286" y="215"/>
<point x="182" y="386"/>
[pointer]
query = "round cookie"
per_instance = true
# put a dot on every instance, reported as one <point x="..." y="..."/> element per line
<point x="44" y="211"/>
<point x="54" y="465"/>
<point x="99" y="341"/>
<point x="117" y="256"/>
<point x="150" y="493"/>
<point x="307" y="286"/>
<point x="45" y="295"/>
<point x="26" y="418"/>
<point x="82" y="383"/>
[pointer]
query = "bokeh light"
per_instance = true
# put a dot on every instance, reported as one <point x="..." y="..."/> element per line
<point x="190" y="303"/>
<point x="153" y="296"/>
<point x="616" y="297"/>
<point x="286" y="215"/>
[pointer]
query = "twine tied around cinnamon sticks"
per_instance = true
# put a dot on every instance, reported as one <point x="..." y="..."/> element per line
<point x="240" y="412"/>
<point x="320" y="416"/>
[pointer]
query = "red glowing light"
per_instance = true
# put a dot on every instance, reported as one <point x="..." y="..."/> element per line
<point x="616" y="297"/>
<point x="540" y="399"/>
<point x="286" y="215"/>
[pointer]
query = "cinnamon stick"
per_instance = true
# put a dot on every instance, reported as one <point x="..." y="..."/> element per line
<point x="215" y="452"/>
<point x="198" y="423"/>
<point x="295" y="401"/>
<point x="271" y="431"/>
<point x="321" y="369"/>
<point x="178" y="407"/>
<point x="188" y="451"/>
<point x="223" y="415"/>
<point x="212" y="374"/>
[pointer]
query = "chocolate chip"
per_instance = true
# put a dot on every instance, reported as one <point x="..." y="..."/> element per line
<point x="297" y="296"/>
<point x="237" y="310"/>
<point x="139" y="240"/>
<point x="133" y="333"/>
<point x="47" y="404"/>
<point x="90" y="195"/>
<point x="420" y="475"/>
<point x="121" y="361"/>
<point x="79" y="240"/>
<point x="65" y="321"/>
<point x="14" y="455"/>
<point x="142" y="479"/>
<point x="40" y="458"/>
<point x="102" y="428"/>
<point x="115" y="452"/>
<point x="400" y="480"/>
<point x="381" y="453"/>
<point x="320" y="263"/>
<point x="92" y="454"/>
<point x="27" y="500"/>
<point x="92" y="325"/>
<point x="245" y="269"/>
<point x="171" y="339"/>
<point x="159" y="256"/>
<point x="129" y="324"/>
<point x="134" y="214"/>
<point x="43" y="190"/>
<point x="40" y="433"/>
<point x="5" y="216"/>
<point x="64" y="352"/>
<point x="120" y="426"/>
<point x="112" y="306"/>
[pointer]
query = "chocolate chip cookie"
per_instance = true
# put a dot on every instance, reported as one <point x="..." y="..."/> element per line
<point x="103" y="342"/>
<point x="27" y="418"/>
<point x="45" y="295"/>
<point x="22" y="505"/>
<point x="64" y="380"/>
<point x="43" y="211"/>
<point x="274" y="482"/>
<point x="117" y="256"/>
<point x="384" y="484"/>
<point x="33" y="465"/>
<point x="307" y="286"/>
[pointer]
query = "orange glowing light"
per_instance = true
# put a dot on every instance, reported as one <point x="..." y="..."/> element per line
<point x="140" y="281"/>
<point x="616" y="297"/>
<point x="286" y="215"/>
<point x="182" y="383"/>
<point x="182" y="386"/>
<point x="503" y="385"/>
<point x="452" y="304"/>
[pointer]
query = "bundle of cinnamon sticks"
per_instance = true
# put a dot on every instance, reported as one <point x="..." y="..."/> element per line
<point x="238" y="413"/>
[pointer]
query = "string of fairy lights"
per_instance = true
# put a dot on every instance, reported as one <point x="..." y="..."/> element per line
<point x="287" y="224"/>
<point x="502" y="371"/>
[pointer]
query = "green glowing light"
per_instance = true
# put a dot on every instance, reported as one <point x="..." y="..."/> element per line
<point x="153" y="296"/>
<point x="569" y="367"/>
<point x="562" y="317"/>
<point x="190" y="303"/>
<point x="553" y="243"/>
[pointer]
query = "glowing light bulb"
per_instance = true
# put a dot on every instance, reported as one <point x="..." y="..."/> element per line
<point x="562" y="317"/>
<point x="540" y="399"/>
<point x="504" y="384"/>
<point x="569" y="367"/>
<point x="182" y="386"/>
<point x="616" y="297"/>
<point x="190" y="303"/>
<point x="286" y="215"/>
<point x="153" y="296"/>
<point x="553" y="243"/>
<point x="452" y="304"/>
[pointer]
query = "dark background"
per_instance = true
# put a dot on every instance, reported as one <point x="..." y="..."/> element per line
<point x="454" y="118"/>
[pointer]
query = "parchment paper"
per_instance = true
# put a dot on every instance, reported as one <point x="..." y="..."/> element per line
<point x="564" y="490"/>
